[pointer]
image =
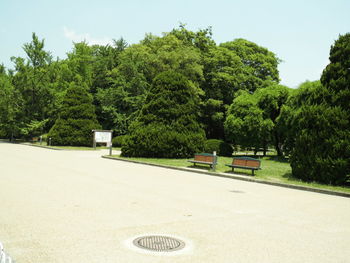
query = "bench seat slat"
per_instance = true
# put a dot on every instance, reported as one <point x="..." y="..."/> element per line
<point x="245" y="163"/>
<point x="204" y="158"/>
<point x="244" y="167"/>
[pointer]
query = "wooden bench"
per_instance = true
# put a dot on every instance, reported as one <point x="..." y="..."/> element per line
<point x="245" y="163"/>
<point x="204" y="158"/>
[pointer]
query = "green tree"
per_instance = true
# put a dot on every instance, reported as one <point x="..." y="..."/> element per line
<point x="138" y="65"/>
<point x="168" y="122"/>
<point x="245" y="124"/>
<point x="271" y="100"/>
<point x="9" y="102"/>
<point x="128" y="86"/>
<point x="287" y="125"/>
<point x="80" y="62"/>
<point x="222" y="73"/>
<point x="31" y="79"/>
<point x="105" y="58"/>
<point x="77" y="117"/>
<point x="322" y="146"/>
<point x="229" y="68"/>
<point x="260" y="64"/>
<point x="202" y="39"/>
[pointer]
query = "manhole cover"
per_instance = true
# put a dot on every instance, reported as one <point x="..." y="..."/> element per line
<point x="159" y="243"/>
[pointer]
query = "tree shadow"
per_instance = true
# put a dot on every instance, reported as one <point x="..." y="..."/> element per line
<point x="289" y="176"/>
<point x="275" y="158"/>
<point x="243" y="172"/>
<point x="247" y="155"/>
<point x="280" y="159"/>
<point x="237" y="191"/>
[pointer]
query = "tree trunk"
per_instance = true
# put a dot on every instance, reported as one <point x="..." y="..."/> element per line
<point x="277" y="145"/>
<point x="265" y="148"/>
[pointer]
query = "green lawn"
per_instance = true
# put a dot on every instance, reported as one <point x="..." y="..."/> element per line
<point x="273" y="169"/>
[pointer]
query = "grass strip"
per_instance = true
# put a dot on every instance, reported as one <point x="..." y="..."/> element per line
<point x="274" y="169"/>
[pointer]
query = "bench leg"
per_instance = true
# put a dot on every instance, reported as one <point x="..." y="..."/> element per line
<point x="233" y="169"/>
<point x="252" y="172"/>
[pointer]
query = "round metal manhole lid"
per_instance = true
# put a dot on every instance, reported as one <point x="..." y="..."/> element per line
<point x="159" y="243"/>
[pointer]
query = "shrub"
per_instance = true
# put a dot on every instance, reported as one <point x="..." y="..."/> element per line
<point x="118" y="141"/>
<point x="222" y="148"/>
<point x="157" y="140"/>
<point x="167" y="126"/>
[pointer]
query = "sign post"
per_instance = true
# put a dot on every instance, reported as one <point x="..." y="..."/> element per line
<point x="103" y="136"/>
<point x="215" y="159"/>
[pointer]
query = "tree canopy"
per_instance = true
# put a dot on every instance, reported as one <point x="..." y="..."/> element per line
<point x="322" y="138"/>
<point x="167" y="94"/>
<point x="168" y="122"/>
<point x="76" y="118"/>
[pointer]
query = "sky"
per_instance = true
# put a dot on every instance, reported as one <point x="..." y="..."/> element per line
<point x="299" y="32"/>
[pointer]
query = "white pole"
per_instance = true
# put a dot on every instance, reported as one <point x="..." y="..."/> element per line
<point x="215" y="159"/>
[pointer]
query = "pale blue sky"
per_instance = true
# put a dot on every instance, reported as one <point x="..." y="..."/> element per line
<point x="300" y="32"/>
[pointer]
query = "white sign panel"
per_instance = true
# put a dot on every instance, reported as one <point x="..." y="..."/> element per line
<point x="103" y="136"/>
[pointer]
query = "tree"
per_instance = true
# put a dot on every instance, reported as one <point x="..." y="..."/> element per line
<point x="105" y="59"/>
<point x="77" y="117"/>
<point x="37" y="75"/>
<point x="80" y="61"/>
<point x="271" y="100"/>
<point x="245" y="124"/>
<point x="138" y="65"/>
<point x="322" y="145"/>
<point x="9" y="102"/>
<point x="31" y="80"/>
<point x="222" y="73"/>
<point x="202" y="39"/>
<point x="287" y="124"/>
<point x="229" y="68"/>
<point x="126" y="91"/>
<point x="260" y="64"/>
<point x="168" y="122"/>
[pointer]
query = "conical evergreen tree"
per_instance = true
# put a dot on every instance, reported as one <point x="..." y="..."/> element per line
<point x="168" y="122"/>
<point x="322" y="144"/>
<point x="77" y="118"/>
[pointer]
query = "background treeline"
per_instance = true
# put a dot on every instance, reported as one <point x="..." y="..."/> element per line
<point x="175" y="94"/>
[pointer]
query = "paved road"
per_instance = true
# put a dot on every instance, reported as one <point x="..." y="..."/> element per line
<point x="73" y="206"/>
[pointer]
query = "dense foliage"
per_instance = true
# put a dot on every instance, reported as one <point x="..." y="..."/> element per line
<point x="118" y="141"/>
<point x="322" y="137"/>
<point x="220" y="147"/>
<point x="76" y="118"/>
<point x="119" y="78"/>
<point x="253" y="118"/>
<point x="245" y="124"/>
<point x="160" y="94"/>
<point x="168" y="122"/>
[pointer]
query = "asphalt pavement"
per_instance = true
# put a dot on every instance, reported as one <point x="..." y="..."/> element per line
<point x="74" y="206"/>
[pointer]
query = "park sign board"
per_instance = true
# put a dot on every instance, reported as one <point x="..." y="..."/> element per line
<point x="102" y="136"/>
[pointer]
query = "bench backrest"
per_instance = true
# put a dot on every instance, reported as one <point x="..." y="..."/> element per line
<point x="246" y="162"/>
<point x="205" y="157"/>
